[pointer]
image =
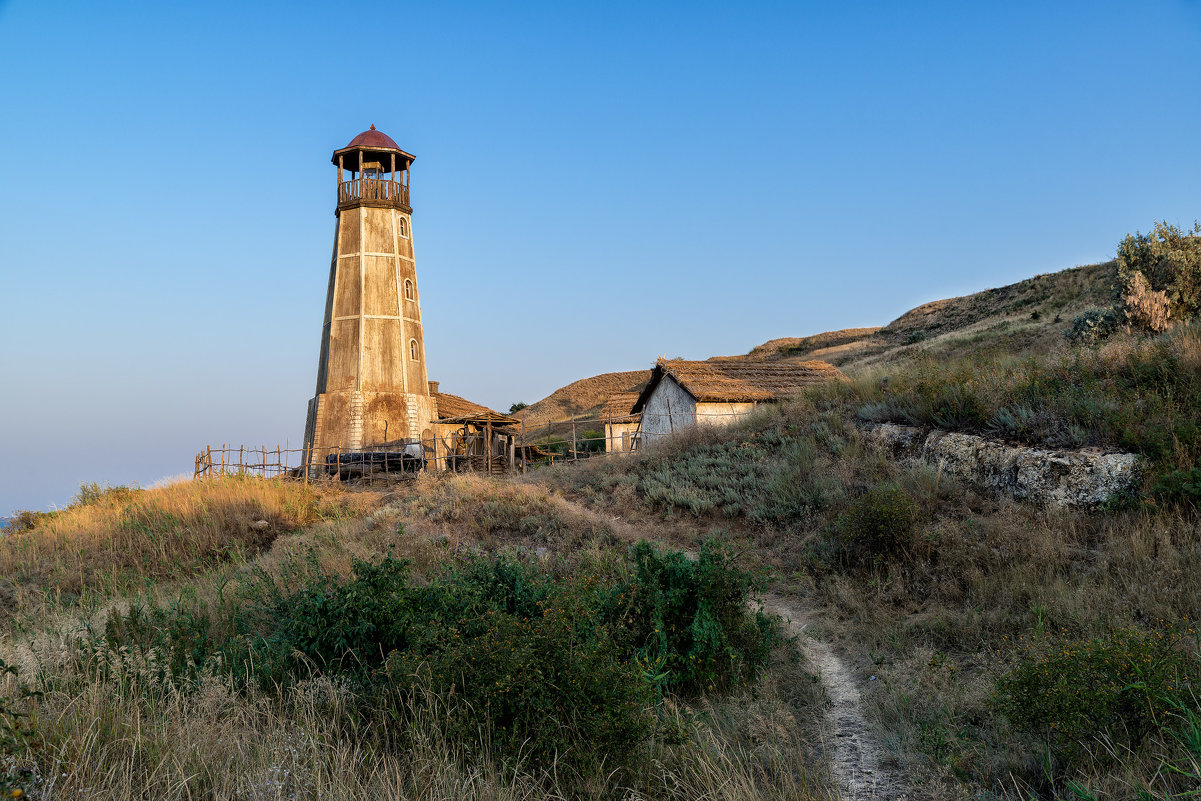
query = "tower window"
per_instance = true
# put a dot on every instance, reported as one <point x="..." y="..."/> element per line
<point x="408" y="289"/>
<point x="402" y="226"/>
<point x="413" y="349"/>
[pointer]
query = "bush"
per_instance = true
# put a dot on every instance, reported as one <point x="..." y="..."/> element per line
<point x="1169" y="259"/>
<point x="27" y="520"/>
<point x="687" y="620"/>
<point x="1122" y="687"/>
<point x="549" y="665"/>
<point x="91" y="493"/>
<point x="1146" y="309"/>
<point x="1180" y="486"/>
<point x="591" y="441"/>
<point x="875" y="527"/>
<point x="1137" y="395"/>
<point x="1093" y="326"/>
<point x="18" y="735"/>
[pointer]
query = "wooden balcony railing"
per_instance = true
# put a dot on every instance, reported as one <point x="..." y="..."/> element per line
<point x="372" y="189"/>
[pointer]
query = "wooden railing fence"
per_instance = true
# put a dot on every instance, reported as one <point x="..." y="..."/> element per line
<point x="507" y="450"/>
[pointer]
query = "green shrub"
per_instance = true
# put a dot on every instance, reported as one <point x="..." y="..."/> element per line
<point x="546" y="683"/>
<point x="91" y="493"/>
<point x="1180" y="486"/>
<point x="549" y="664"/>
<point x="555" y="445"/>
<point x="27" y="520"/>
<point x="1122" y="687"/>
<point x="1140" y="395"/>
<point x="687" y="619"/>
<point x="1169" y="259"/>
<point x="591" y="441"/>
<point x="1093" y="326"/>
<point x="874" y="527"/>
<point x="18" y="735"/>
<point x="772" y="474"/>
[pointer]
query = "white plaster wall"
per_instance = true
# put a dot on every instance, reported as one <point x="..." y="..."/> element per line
<point x="720" y="414"/>
<point x="656" y="421"/>
<point x="619" y="437"/>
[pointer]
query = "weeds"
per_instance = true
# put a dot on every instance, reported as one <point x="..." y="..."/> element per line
<point x="1119" y="687"/>
<point x="117" y="538"/>
<point x="541" y="665"/>
<point x="1141" y="395"/>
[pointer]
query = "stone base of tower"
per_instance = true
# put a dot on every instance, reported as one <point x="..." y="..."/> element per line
<point x="348" y="421"/>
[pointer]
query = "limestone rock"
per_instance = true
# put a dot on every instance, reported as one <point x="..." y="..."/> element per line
<point x="1080" y="478"/>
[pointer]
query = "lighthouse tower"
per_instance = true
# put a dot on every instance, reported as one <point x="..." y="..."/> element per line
<point x="371" y="376"/>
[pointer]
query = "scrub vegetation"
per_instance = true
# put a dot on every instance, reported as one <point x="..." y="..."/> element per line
<point x="426" y="645"/>
<point x="592" y="630"/>
<point x="1018" y="651"/>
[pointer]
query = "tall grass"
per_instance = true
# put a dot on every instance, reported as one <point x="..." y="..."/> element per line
<point x="938" y="590"/>
<point x="1134" y="393"/>
<point x="230" y="742"/>
<point x="146" y="719"/>
<point x="120" y="538"/>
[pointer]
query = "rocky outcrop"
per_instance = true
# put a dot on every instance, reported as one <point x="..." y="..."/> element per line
<point x="1065" y="478"/>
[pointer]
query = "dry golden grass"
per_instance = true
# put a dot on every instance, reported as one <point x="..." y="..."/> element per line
<point x="145" y="739"/>
<point x="936" y="622"/>
<point x="133" y="735"/>
<point x="122" y="537"/>
<point x="582" y="397"/>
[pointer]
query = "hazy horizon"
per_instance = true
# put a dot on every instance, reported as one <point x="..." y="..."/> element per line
<point x="593" y="189"/>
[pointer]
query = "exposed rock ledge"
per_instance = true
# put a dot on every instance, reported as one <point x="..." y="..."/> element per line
<point x="1064" y="478"/>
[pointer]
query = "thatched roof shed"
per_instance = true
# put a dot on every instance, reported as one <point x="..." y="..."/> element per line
<point x="453" y="406"/>
<point x="617" y="408"/>
<point x="738" y="382"/>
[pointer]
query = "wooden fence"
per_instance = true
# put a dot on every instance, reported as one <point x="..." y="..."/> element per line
<point x="504" y="450"/>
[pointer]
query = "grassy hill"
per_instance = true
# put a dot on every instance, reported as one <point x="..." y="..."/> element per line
<point x="591" y="630"/>
<point x="582" y="398"/>
<point x="1027" y="317"/>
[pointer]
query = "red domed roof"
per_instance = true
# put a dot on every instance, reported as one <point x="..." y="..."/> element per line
<point x="371" y="142"/>
<point x="373" y="139"/>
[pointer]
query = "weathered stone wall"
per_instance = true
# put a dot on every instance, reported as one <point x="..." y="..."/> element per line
<point x="1064" y="478"/>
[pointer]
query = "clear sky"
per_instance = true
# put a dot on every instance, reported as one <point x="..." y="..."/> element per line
<point x="596" y="184"/>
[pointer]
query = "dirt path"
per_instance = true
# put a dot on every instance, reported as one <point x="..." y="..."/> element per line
<point x="856" y="760"/>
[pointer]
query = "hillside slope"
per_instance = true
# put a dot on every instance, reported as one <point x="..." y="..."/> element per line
<point x="1029" y="316"/>
<point x="582" y="398"/>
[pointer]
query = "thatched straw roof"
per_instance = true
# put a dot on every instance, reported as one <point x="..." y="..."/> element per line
<point x="617" y="408"/>
<point x="741" y="381"/>
<point x="453" y="407"/>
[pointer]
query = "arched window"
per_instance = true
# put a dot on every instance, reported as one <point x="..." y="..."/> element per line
<point x="409" y="290"/>
<point x="413" y="349"/>
<point x="402" y="226"/>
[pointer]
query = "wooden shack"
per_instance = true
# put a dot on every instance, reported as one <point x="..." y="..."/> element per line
<point x="468" y="437"/>
<point x="621" y="424"/>
<point x="682" y="393"/>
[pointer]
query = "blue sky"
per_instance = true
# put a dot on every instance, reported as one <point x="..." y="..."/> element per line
<point x="596" y="185"/>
